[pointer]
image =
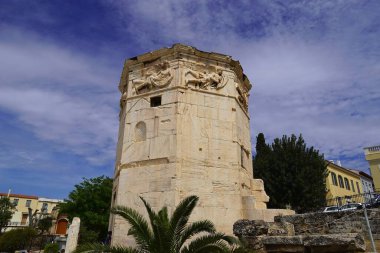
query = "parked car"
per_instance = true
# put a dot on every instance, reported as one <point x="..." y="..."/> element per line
<point x="351" y="206"/>
<point x="331" y="209"/>
<point x="375" y="202"/>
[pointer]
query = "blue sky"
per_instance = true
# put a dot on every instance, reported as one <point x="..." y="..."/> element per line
<point x="315" y="67"/>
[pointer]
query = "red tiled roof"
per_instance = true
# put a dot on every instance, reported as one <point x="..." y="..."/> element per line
<point x="19" y="196"/>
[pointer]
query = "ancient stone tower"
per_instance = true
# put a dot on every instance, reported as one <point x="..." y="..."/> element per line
<point x="184" y="130"/>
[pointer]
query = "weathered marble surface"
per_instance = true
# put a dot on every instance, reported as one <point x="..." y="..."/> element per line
<point x="312" y="232"/>
<point x="72" y="235"/>
<point x="197" y="142"/>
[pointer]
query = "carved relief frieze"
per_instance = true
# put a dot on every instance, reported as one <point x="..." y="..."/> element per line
<point x="242" y="96"/>
<point x="202" y="77"/>
<point x="158" y="76"/>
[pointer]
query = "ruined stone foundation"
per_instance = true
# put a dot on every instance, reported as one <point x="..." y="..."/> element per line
<point x="184" y="130"/>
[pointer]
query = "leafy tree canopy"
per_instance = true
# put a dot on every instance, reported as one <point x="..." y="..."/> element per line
<point x="51" y="248"/>
<point x="17" y="239"/>
<point x="293" y="173"/>
<point x="6" y="212"/>
<point x="44" y="224"/>
<point x="90" y="201"/>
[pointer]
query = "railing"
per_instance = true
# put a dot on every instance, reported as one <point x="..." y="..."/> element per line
<point x="364" y="198"/>
<point x="17" y="224"/>
<point x="373" y="149"/>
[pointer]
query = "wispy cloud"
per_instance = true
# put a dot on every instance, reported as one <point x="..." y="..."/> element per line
<point x="314" y="65"/>
<point x="61" y="96"/>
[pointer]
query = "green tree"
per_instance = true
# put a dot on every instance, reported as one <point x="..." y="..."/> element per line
<point x="6" y="212"/>
<point x="169" y="234"/>
<point x="90" y="201"/>
<point x="16" y="239"/>
<point x="51" y="248"/>
<point x="293" y="173"/>
<point x="44" y="224"/>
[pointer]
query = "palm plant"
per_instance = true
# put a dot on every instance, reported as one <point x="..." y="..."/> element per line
<point x="169" y="234"/>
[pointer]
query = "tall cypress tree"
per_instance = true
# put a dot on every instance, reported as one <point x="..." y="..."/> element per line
<point x="293" y="174"/>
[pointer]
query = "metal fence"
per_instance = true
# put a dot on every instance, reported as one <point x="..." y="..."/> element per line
<point x="363" y="198"/>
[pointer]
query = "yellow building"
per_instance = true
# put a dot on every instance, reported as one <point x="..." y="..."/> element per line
<point x="22" y="204"/>
<point x="341" y="183"/>
<point x="46" y="205"/>
<point x="372" y="155"/>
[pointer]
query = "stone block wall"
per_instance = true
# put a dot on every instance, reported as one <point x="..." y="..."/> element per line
<point x="312" y="232"/>
<point x="335" y="223"/>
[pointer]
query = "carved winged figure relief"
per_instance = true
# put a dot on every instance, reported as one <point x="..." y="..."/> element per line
<point x="205" y="79"/>
<point x="159" y="77"/>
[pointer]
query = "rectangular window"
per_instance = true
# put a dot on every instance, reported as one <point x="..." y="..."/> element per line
<point x="353" y="186"/>
<point x="28" y="202"/>
<point x="334" y="180"/>
<point x="15" y="202"/>
<point x="346" y="183"/>
<point x="357" y="185"/>
<point x="340" y="179"/>
<point x="155" y="101"/>
<point x="24" y="218"/>
<point x="44" y="207"/>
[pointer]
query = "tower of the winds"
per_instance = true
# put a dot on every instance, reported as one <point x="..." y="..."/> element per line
<point x="184" y="130"/>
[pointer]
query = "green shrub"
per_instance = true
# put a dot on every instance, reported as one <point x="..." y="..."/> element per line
<point x="51" y="248"/>
<point x="17" y="239"/>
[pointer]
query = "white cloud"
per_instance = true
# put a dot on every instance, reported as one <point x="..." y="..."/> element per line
<point x="80" y="125"/>
<point x="62" y="96"/>
<point x="28" y="59"/>
<point x="314" y="64"/>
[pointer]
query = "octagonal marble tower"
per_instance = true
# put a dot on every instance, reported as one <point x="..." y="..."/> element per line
<point x="184" y="130"/>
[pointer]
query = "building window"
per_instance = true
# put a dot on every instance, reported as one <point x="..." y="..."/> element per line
<point x="140" y="131"/>
<point x="28" y="202"/>
<point x="15" y="202"/>
<point x="155" y="101"/>
<point x="333" y="177"/>
<point x="346" y="183"/>
<point x="357" y="186"/>
<point x="44" y="207"/>
<point x="24" y="218"/>
<point x="340" y="181"/>
<point x="353" y="186"/>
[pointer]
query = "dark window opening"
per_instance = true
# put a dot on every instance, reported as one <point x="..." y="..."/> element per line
<point x="346" y="183"/>
<point x="340" y="179"/>
<point x="334" y="180"/>
<point x="357" y="185"/>
<point x="155" y="101"/>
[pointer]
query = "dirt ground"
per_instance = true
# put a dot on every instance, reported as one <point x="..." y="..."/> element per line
<point x="369" y="247"/>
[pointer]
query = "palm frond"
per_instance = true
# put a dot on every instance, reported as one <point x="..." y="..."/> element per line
<point x="153" y="222"/>
<point x="193" y="229"/>
<point x="164" y="230"/>
<point x="180" y="218"/>
<point x="218" y="247"/>
<point x="139" y="226"/>
<point x="100" y="248"/>
<point x="218" y="241"/>
<point x="183" y="211"/>
<point x="162" y="236"/>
